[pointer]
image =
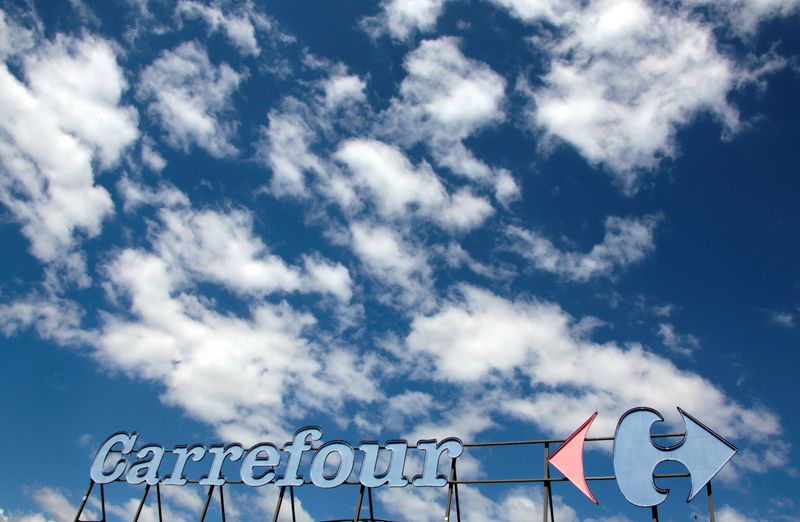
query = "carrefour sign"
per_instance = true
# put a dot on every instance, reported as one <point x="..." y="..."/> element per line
<point x="635" y="457"/>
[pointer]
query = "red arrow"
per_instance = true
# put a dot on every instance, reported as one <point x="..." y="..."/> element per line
<point x="568" y="458"/>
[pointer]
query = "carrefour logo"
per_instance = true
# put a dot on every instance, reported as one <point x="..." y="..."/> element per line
<point x="372" y="464"/>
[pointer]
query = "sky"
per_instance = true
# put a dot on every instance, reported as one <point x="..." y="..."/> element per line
<point x="487" y="219"/>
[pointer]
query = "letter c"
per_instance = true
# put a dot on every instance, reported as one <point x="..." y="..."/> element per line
<point x="98" y="473"/>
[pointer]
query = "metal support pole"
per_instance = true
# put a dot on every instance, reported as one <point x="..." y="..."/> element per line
<point x="450" y="490"/>
<point x="711" y="517"/>
<point x="455" y="486"/>
<point x="371" y="509"/>
<point x="357" y="517"/>
<point x="141" y="503"/>
<point x="278" y="507"/>
<point x="546" y="482"/>
<point x="84" y="499"/>
<point x="222" y="503"/>
<point x="207" y="503"/>
<point x="158" y="498"/>
<point x="654" y="513"/>
<point x="291" y="495"/>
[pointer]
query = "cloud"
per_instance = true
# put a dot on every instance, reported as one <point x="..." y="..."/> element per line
<point x="239" y="25"/>
<point x="286" y="149"/>
<point x="189" y="97"/>
<point x="137" y="195"/>
<point x="627" y="241"/>
<point x="476" y="337"/>
<point x="744" y="16"/>
<point x="624" y="78"/>
<point x="402" y="18"/>
<point x="444" y="99"/>
<point x="428" y="504"/>
<point x="683" y="344"/>
<point x="222" y="248"/>
<point x="393" y="261"/>
<point x="343" y="89"/>
<point x="397" y="189"/>
<point x="55" y="319"/>
<point x="247" y="375"/>
<point x="782" y="319"/>
<point x="13" y="37"/>
<point x="730" y="514"/>
<point x="54" y="127"/>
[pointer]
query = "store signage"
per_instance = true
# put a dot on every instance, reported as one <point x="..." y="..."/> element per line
<point x="636" y="455"/>
<point x="115" y="461"/>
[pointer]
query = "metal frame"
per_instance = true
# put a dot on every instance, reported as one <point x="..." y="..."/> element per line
<point x="548" y="514"/>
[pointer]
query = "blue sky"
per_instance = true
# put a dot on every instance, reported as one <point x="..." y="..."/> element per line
<point x="485" y="219"/>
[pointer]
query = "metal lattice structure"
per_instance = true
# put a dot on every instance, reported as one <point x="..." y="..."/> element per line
<point x="451" y="507"/>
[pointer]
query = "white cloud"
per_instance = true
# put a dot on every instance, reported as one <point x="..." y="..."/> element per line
<point x="343" y="89"/>
<point x="730" y="514"/>
<point x="285" y="148"/>
<point x="744" y="16"/>
<point x="13" y="38"/>
<point x="445" y="95"/>
<point x="393" y="261"/>
<point x="445" y="98"/>
<point x="627" y="241"/>
<point x="478" y="337"/>
<point x="136" y="195"/>
<point x="625" y="76"/>
<point x="268" y="499"/>
<point x="398" y="189"/>
<point x="151" y="157"/>
<point x="54" y="319"/>
<point x="223" y="248"/>
<point x="783" y="319"/>
<point x="190" y="99"/>
<point x="247" y="376"/>
<point x="240" y="25"/>
<point x="428" y="504"/>
<point x="402" y="18"/>
<point x="52" y="128"/>
<point x="684" y="344"/>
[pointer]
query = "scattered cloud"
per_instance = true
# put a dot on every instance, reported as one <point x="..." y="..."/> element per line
<point x="240" y="25"/>
<point x="393" y="261"/>
<point x="730" y="514"/>
<point x="286" y="149"/>
<point x="782" y="319"/>
<point x="428" y="504"/>
<point x="478" y="337"/>
<point x="65" y="117"/>
<point x="403" y="18"/>
<point x="627" y="241"/>
<point x="223" y="248"/>
<point x="398" y="189"/>
<point x="235" y="372"/>
<point x="683" y="344"/>
<point x="627" y="75"/>
<point x="55" y="319"/>
<point x="189" y="98"/>
<point x="444" y="99"/>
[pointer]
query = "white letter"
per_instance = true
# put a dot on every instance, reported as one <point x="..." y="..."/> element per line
<point x="97" y="472"/>
<point x="430" y="466"/>
<point x="150" y="466"/>
<point x="296" y="448"/>
<point x="214" y="478"/>
<point x="394" y="474"/>
<point x="346" y="458"/>
<point x="252" y="460"/>
<point x="177" y="478"/>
